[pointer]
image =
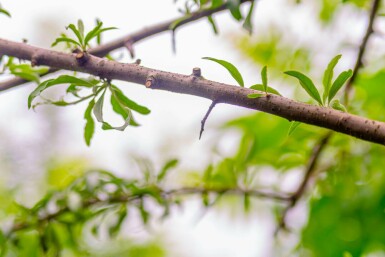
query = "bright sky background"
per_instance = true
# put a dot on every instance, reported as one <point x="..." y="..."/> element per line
<point x="170" y="130"/>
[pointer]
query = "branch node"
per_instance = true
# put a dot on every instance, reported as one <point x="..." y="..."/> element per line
<point x="197" y="72"/>
<point x="150" y="81"/>
<point x="130" y="47"/>
<point x="82" y="57"/>
<point x="203" y="122"/>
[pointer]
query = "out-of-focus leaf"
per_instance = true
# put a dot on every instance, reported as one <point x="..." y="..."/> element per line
<point x="5" y="12"/>
<point x="230" y="68"/>
<point x="293" y="126"/>
<point x="339" y="82"/>
<point x="213" y="25"/>
<point x="234" y="6"/>
<point x="98" y="108"/>
<point x="66" y="40"/>
<point x="255" y="95"/>
<point x="168" y="166"/>
<point x="306" y="84"/>
<point x="247" y="24"/>
<point x="264" y="78"/>
<point x="89" y="129"/>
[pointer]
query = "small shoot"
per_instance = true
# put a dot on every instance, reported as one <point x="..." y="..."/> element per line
<point x="230" y="68"/>
<point x="263" y="87"/>
<point x="82" y="40"/>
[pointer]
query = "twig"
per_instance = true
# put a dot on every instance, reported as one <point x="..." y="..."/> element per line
<point x="203" y="122"/>
<point x="362" y="48"/>
<point x="129" y="40"/>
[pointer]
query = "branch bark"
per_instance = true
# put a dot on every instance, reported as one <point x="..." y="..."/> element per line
<point x="369" y="130"/>
<point x="129" y="40"/>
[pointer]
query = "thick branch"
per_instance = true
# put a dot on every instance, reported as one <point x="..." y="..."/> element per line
<point x="129" y="40"/>
<point x="369" y="130"/>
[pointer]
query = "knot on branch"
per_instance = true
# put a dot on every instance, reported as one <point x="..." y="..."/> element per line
<point x="150" y="81"/>
<point x="197" y="72"/>
<point x="82" y="57"/>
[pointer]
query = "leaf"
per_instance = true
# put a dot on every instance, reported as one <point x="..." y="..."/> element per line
<point x="63" y="79"/>
<point x="89" y="129"/>
<point x="230" y="68"/>
<point x="247" y="24"/>
<point x="339" y="82"/>
<point x="169" y="165"/>
<point x="264" y="78"/>
<point x="328" y="76"/>
<point x="5" y="12"/>
<point x="81" y="29"/>
<point x="98" y="108"/>
<point x="268" y="89"/>
<point x="122" y="99"/>
<point x="213" y="25"/>
<point x="216" y="3"/>
<point x="293" y="126"/>
<point x="306" y="84"/>
<point x="233" y="6"/>
<point x="246" y="202"/>
<point x="76" y="32"/>
<point x="91" y="34"/>
<point x="67" y="40"/>
<point x="255" y="95"/>
<point x="335" y="104"/>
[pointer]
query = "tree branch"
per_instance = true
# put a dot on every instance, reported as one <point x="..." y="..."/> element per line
<point x="129" y="40"/>
<point x="369" y="130"/>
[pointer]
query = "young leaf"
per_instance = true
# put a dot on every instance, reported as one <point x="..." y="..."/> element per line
<point x="264" y="78"/>
<point x="339" y="82"/>
<point x="89" y="129"/>
<point x="63" y="79"/>
<point x="230" y="68"/>
<point x="270" y="90"/>
<point x="306" y="84"/>
<point x="255" y="95"/>
<point x="76" y="32"/>
<point x="328" y="76"/>
<point x="293" y="126"/>
<point x="247" y="25"/>
<point x="98" y="108"/>
<point x="122" y="99"/>
<point x="213" y="25"/>
<point x="81" y="29"/>
<point x="66" y="40"/>
<point x="5" y="12"/>
<point x="335" y="104"/>
<point x="96" y="32"/>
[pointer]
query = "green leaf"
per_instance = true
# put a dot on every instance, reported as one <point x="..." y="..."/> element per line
<point x="255" y="95"/>
<point x="5" y="12"/>
<point x="81" y="29"/>
<point x="246" y="202"/>
<point x="216" y="3"/>
<point x="230" y="68"/>
<point x="247" y="24"/>
<point x="63" y="79"/>
<point x="306" y="84"/>
<point x="129" y="103"/>
<point x="98" y="108"/>
<point x="95" y="32"/>
<point x="67" y="40"/>
<point x="168" y="166"/>
<point x="28" y="76"/>
<point x="264" y="78"/>
<point x="335" y="104"/>
<point x="233" y="6"/>
<point x="213" y="25"/>
<point x="293" y="126"/>
<point x="89" y="129"/>
<point x="339" y="82"/>
<point x="76" y="32"/>
<point x="328" y="76"/>
<point x="270" y="90"/>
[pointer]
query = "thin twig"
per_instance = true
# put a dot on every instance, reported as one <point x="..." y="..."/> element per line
<point x="203" y="122"/>
<point x="362" y="48"/>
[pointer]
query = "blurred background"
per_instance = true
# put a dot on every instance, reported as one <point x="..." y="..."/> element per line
<point x="44" y="149"/>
